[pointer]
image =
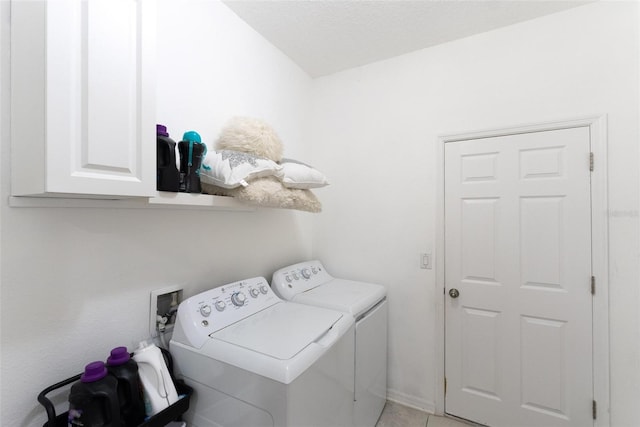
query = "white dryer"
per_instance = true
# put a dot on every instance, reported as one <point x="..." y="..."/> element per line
<point x="256" y="360"/>
<point x="309" y="283"/>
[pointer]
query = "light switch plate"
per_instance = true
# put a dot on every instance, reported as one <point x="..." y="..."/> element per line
<point x="425" y="261"/>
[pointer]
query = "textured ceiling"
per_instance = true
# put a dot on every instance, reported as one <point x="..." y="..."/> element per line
<point x="326" y="36"/>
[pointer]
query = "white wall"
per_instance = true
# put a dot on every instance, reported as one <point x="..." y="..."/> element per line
<point x="76" y="282"/>
<point x="374" y="132"/>
<point x="212" y="66"/>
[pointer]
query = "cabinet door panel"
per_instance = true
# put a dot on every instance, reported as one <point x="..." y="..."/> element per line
<point x="110" y="77"/>
<point x="102" y="142"/>
<point x="98" y="96"/>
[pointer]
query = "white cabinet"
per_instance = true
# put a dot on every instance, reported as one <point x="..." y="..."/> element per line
<point x="83" y="98"/>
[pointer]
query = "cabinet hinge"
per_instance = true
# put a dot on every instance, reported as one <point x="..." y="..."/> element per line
<point x="593" y="285"/>
<point x="594" y="409"/>
<point x="591" y="161"/>
<point x="445" y="386"/>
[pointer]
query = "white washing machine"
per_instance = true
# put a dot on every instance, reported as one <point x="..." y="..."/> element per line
<point x="256" y="360"/>
<point x="309" y="283"/>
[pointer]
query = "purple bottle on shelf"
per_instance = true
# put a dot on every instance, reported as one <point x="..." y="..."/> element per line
<point x="125" y="370"/>
<point x="168" y="176"/>
<point x="93" y="401"/>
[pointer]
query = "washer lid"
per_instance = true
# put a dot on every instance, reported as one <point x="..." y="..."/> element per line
<point x="280" y="331"/>
<point x="344" y="295"/>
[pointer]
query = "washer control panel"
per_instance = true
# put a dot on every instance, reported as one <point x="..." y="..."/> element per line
<point x="294" y="279"/>
<point x="212" y="310"/>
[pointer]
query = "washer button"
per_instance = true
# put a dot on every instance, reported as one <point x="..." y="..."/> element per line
<point x="205" y="310"/>
<point x="238" y="299"/>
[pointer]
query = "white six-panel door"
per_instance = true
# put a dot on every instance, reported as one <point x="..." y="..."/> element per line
<point x="518" y="337"/>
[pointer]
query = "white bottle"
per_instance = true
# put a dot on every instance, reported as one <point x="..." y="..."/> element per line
<point x="158" y="388"/>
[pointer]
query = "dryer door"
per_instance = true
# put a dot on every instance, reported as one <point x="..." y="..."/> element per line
<point x="371" y="365"/>
<point x="281" y="331"/>
<point x="348" y="296"/>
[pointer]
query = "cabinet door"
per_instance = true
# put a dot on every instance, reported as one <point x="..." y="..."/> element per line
<point x="97" y="93"/>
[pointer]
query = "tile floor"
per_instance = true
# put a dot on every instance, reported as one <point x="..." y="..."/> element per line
<point x="396" y="415"/>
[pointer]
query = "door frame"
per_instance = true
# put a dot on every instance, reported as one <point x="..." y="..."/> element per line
<point x="599" y="252"/>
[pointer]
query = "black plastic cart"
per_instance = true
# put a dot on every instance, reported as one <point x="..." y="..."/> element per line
<point x="172" y="413"/>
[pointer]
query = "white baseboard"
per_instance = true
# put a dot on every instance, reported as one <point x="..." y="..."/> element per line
<point x="411" y="401"/>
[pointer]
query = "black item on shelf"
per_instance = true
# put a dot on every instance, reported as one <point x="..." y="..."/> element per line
<point x="172" y="413"/>
<point x="192" y="153"/>
<point x="168" y="176"/>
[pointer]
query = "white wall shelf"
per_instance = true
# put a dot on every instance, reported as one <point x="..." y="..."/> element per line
<point x="191" y="200"/>
<point x="166" y="200"/>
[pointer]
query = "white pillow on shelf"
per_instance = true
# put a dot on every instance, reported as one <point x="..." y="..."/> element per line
<point x="295" y="174"/>
<point x="231" y="169"/>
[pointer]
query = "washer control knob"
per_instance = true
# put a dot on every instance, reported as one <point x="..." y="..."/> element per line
<point x="295" y="276"/>
<point x="264" y="289"/>
<point x="220" y="305"/>
<point x="238" y="299"/>
<point x="314" y="270"/>
<point x="254" y="292"/>
<point x="288" y="278"/>
<point x="306" y="273"/>
<point x="205" y="310"/>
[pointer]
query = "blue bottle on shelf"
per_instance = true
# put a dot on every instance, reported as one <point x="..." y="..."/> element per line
<point x="192" y="152"/>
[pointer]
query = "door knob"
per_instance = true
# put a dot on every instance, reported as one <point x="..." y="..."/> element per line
<point x="453" y="293"/>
